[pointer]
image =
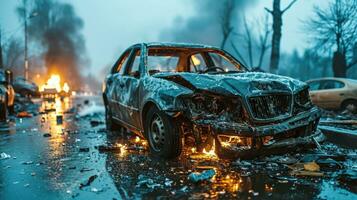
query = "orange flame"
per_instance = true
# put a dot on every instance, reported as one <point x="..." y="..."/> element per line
<point x="211" y="152"/>
<point x="54" y="82"/>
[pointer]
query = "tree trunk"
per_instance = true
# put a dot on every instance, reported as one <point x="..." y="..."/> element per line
<point x="277" y="23"/>
<point x="339" y="64"/>
<point x="1" y="61"/>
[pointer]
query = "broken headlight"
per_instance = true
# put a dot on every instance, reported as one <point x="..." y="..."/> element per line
<point x="302" y="98"/>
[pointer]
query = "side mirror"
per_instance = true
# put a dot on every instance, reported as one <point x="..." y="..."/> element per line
<point x="8" y="76"/>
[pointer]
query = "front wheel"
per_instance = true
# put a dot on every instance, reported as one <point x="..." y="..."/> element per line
<point x="163" y="134"/>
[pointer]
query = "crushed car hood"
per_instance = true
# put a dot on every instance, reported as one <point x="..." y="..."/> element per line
<point x="247" y="83"/>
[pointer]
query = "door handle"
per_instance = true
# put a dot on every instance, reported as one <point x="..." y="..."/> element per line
<point x="342" y="94"/>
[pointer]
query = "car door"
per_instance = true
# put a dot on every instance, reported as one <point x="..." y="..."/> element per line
<point x="130" y="89"/>
<point x="114" y="81"/>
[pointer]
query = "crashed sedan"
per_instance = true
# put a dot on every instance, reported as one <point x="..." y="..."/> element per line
<point x="174" y="93"/>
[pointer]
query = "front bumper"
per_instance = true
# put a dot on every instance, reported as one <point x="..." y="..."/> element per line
<point x="296" y="131"/>
<point x="282" y="146"/>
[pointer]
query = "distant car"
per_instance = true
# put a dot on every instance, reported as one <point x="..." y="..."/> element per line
<point x="25" y="87"/>
<point x="7" y="94"/>
<point x="334" y="93"/>
<point x="170" y="92"/>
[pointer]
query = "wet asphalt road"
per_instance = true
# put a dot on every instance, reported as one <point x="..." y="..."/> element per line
<point x="75" y="162"/>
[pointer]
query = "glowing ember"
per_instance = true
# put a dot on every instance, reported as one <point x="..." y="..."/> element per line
<point x="137" y="139"/>
<point x="54" y="82"/>
<point x="211" y="152"/>
<point x="123" y="148"/>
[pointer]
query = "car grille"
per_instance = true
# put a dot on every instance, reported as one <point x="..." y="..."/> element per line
<point x="270" y="106"/>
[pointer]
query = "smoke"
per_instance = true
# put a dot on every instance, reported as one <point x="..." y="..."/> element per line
<point x="206" y="25"/>
<point x="55" y="29"/>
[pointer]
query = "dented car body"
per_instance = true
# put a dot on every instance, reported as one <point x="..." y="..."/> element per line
<point x="170" y="93"/>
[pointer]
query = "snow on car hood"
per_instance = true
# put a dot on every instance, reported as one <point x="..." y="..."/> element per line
<point x="242" y="84"/>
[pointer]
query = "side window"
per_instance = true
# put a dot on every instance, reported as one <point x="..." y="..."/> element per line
<point x="197" y="63"/>
<point x="330" y="84"/>
<point x="220" y="61"/>
<point x="134" y="68"/>
<point x="315" y="85"/>
<point x="120" y="65"/>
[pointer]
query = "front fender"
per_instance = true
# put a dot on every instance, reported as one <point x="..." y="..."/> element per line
<point x="162" y="93"/>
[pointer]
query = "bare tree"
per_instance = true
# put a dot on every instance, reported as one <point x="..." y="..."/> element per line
<point x="277" y="14"/>
<point x="263" y="43"/>
<point x="251" y="40"/>
<point x="248" y="39"/>
<point x="226" y="21"/>
<point x="336" y="28"/>
<point x="13" y="55"/>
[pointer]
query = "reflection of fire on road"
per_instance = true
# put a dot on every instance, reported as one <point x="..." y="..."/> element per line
<point x="52" y="111"/>
<point x="53" y="87"/>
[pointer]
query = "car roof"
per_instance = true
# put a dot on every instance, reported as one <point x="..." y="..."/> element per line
<point x="176" y="45"/>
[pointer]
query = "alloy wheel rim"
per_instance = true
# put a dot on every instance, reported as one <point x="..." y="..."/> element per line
<point x="157" y="133"/>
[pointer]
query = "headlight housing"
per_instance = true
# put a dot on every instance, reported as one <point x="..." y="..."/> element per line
<point x="302" y="101"/>
<point x="302" y="98"/>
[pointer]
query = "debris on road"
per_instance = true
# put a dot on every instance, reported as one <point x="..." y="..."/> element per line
<point x="147" y="182"/>
<point x="205" y="175"/>
<point x="24" y="114"/>
<point x="84" y="149"/>
<point x="305" y="169"/>
<point x="59" y="119"/>
<point x="47" y="135"/>
<point x="312" y="166"/>
<point x="340" y="135"/>
<point x="89" y="181"/>
<point x="114" y="148"/>
<point x="95" y="123"/>
<point x="4" y="156"/>
<point x="27" y="163"/>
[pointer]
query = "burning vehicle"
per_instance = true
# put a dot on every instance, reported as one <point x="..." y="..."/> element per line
<point x="53" y="88"/>
<point x="174" y="93"/>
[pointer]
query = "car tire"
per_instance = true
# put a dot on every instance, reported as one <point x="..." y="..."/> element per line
<point x="109" y="121"/>
<point x="3" y="112"/>
<point x="350" y="105"/>
<point x="163" y="134"/>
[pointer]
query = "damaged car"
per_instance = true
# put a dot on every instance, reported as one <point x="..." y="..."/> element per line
<point x="174" y="93"/>
<point x="7" y="95"/>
